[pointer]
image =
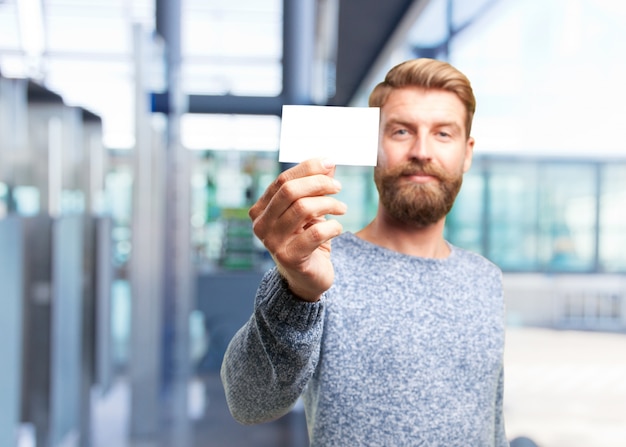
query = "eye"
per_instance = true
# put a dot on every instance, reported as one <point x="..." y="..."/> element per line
<point x="444" y="135"/>
<point x="400" y="132"/>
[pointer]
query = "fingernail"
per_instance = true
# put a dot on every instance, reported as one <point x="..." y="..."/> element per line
<point x="328" y="163"/>
<point x="336" y="183"/>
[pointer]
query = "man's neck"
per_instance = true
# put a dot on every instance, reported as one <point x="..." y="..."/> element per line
<point x="425" y="242"/>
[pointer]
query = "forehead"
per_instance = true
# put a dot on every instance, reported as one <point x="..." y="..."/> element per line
<point x="414" y="103"/>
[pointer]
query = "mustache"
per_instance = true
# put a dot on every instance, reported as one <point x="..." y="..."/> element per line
<point x="417" y="167"/>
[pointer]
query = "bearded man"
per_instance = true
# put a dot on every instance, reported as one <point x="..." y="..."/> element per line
<point x="394" y="337"/>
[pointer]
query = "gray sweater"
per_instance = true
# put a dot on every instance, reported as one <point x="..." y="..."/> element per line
<point x="401" y="351"/>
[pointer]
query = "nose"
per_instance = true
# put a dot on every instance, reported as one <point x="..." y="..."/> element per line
<point x="420" y="148"/>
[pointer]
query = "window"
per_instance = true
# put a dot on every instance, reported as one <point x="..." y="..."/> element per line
<point x="567" y="217"/>
<point x="612" y="235"/>
<point x="537" y="215"/>
<point x="512" y="215"/>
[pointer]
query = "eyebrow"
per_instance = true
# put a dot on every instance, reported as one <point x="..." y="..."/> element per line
<point x="397" y="122"/>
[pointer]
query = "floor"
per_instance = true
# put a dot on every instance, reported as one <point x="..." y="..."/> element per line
<point x="211" y="426"/>
<point x="562" y="389"/>
<point x="218" y="428"/>
<point x="566" y="388"/>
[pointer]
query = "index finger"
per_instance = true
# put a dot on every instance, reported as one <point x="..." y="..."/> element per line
<point x="309" y="167"/>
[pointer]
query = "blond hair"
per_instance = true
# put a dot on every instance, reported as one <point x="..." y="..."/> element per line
<point x="428" y="74"/>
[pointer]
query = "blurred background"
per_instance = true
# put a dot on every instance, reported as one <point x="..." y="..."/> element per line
<point x="134" y="135"/>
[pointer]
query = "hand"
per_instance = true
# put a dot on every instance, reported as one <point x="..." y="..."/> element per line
<point x="289" y="219"/>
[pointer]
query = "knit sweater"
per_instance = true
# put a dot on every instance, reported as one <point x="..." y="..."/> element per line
<point x="400" y="351"/>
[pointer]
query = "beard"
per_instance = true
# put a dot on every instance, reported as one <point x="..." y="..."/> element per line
<point x="416" y="204"/>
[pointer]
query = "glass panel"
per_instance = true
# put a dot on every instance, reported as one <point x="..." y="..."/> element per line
<point x="226" y="132"/>
<point x="567" y="217"/>
<point x="224" y="185"/>
<point x="526" y="58"/>
<point x="512" y="215"/>
<point x="465" y="12"/>
<point x="612" y="250"/>
<point x="358" y="192"/>
<point x="232" y="47"/>
<point x="464" y="225"/>
<point x="430" y="29"/>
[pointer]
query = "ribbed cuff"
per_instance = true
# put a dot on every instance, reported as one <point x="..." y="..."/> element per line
<point x="280" y="305"/>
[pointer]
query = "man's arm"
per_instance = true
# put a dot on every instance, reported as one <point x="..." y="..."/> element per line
<point x="270" y="360"/>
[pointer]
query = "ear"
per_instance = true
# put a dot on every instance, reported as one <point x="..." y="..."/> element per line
<point x="469" y="153"/>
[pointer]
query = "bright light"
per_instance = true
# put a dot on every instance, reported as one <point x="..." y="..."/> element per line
<point x="226" y="132"/>
<point x="30" y="17"/>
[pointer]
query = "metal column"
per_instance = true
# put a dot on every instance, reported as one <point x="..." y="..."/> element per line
<point x="177" y="266"/>
<point x="145" y="263"/>
<point x="298" y="50"/>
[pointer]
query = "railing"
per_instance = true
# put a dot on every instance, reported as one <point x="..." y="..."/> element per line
<point x="576" y="302"/>
<point x="603" y="310"/>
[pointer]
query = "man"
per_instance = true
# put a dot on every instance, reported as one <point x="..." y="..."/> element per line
<point x="394" y="337"/>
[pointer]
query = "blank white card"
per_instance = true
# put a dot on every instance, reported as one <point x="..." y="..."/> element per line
<point x="346" y="135"/>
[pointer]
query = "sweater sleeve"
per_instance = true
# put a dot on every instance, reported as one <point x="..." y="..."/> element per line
<point x="272" y="357"/>
<point x="499" y="429"/>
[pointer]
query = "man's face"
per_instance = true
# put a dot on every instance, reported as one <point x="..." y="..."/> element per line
<point x="422" y="156"/>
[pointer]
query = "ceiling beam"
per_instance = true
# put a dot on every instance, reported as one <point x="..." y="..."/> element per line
<point x="368" y="31"/>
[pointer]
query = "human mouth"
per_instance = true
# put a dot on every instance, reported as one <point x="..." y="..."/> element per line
<point x="419" y="177"/>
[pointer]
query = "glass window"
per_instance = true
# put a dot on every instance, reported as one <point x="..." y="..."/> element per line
<point x="464" y="224"/>
<point x="230" y="132"/>
<point x="224" y="185"/>
<point x="525" y="58"/>
<point x="612" y="237"/>
<point x="232" y="47"/>
<point x="567" y="217"/>
<point x="358" y="192"/>
<point x="512" y="215"/>
<point x="539" y="215"/>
